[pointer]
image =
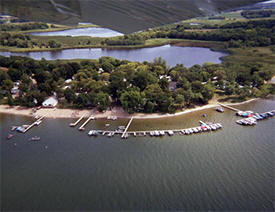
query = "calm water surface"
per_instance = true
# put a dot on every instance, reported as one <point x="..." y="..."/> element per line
<point x="231" y="169"/>
<point x="89" y="31"/>
<point x="173" y="55"/>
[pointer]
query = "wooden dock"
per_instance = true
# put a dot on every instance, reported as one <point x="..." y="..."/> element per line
<point x="37" y="122"/>
<point x="76" y="123"/>
<point x="128" y="125"/>
<point x="229" y="107"/>
<point x="201" y="122"/>
<point x="82" y="127"/>
<point x="203" y="128"/>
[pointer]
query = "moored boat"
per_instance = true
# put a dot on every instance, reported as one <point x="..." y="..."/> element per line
<point x="170" y="132"/>
<point x="35" y="138"/>
<point x="9" y="136"/>
<point x="162" y="133"/>
<point x="220" y="109"/>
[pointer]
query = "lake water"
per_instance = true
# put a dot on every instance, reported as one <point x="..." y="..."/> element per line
<point x="89" y="31"/>
<point x="230" y="169"/>
<point x="173" y="55"/>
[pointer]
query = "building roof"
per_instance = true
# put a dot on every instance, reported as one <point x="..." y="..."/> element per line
<point x="50" y="102"/>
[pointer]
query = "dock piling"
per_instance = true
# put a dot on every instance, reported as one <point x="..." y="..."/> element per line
<point x="33" y="124"/>
<point x="128" y="125"/>
<point x="86" y="122"/>
<point x="75" y="123"/>
<point x="229" y="107"/>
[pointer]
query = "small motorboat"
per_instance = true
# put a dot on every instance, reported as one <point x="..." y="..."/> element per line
<point x="126" y="136"/>
<point x="13" y="128"/>
<point x="220" y="109"/>
<point x="110" y="134"/>
<point x="162" y="133"/>
<point x="35" y="138"/>
<point x="9" y="136"/>
<point x="170" y="132"/>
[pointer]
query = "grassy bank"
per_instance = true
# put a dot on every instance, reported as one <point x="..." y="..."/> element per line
<point x="59" y="28"/>
<point x="69" y="42"/>
<point x="258" y="56"/>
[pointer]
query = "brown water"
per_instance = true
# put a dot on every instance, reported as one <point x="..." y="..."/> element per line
<point x="230" y="169"/>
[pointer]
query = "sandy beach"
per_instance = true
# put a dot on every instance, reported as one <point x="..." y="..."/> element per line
<point x="116" y="111"/>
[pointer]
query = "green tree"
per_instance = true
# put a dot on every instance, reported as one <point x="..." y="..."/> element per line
<point x="81" y="101"/>
<point x="144" y="78"/>
<point x="132" y="101"/>
<point x="11" y="101"/>
<point x="69" y="95"/>
<point x="7" y="85"/>
<point x="103" y="101"/>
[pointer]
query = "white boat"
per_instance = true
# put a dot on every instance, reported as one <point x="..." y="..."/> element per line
<point x="157" y="133"/>
<point x="91" y="132"/>
<point x="213" y="127"/>
<point x="170" y="132"/>
<point x="35" y="138"/>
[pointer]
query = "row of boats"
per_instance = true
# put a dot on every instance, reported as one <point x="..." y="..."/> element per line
<point x="159" y="133"/>
<point x="252" y="120"/>
<point x="112" y="118"/>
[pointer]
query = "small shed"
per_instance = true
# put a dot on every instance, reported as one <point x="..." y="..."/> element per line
<point x="50" y="102"/>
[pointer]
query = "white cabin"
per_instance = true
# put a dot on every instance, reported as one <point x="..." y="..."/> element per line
<point x="50" y="102"/>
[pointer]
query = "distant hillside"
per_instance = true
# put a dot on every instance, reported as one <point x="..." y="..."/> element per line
<point x="121" y="15"/>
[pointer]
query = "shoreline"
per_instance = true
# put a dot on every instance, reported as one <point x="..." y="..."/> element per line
<point x="172" y="42"/>
<point x="116" y="111"/>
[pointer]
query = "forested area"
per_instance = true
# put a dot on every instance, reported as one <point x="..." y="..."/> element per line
<point x="243" y="33"/>
<point x="254" y="33"/>
<point x="137" y="87"/>
<point x="21" y="40"/>
<point x="23" y="26"/>
<point x="257" y="13"/>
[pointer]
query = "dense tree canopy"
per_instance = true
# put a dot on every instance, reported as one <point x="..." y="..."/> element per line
<point x="137" y="87"/>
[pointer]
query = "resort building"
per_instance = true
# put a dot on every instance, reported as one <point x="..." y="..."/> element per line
<point x="50" y="102"/>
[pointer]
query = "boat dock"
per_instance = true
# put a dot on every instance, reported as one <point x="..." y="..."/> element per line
<point x="75" y="123"/>
<point x="255" y="117"/>
<point x="124" y="134"/>
<point x="36" y="123"/>
<point x="229" y="107"/>
<point x="128" y="125"/>
<point x="82" y="127"/>
<point x="203" y="123"/>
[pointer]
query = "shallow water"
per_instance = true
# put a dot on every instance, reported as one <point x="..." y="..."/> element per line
<point x="89" y="31"/>
<point x="230" y="169"/>
<point x="173" y="55"/>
